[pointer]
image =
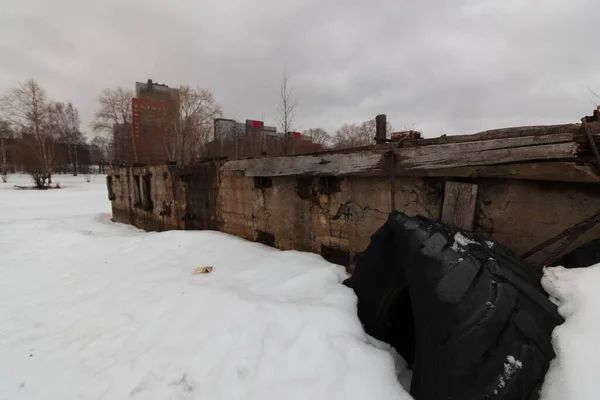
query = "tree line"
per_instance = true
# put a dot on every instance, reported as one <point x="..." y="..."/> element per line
<point x="347" y="136"/>
<point x="29" y="113"/>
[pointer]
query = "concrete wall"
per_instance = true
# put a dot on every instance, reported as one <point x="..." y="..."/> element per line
<point x="167" y="194"/>
<point x="523" y="214"/>
<point x="335" y="217"/>
<point x="308" y="213"/>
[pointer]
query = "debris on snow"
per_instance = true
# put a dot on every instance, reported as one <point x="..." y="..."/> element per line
<point x="202" y="270"/>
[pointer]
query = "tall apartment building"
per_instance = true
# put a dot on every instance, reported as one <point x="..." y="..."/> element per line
<point x="155" y="116"/>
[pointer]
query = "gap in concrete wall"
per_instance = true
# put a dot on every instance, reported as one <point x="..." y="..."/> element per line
<point x="137" y="201"/>
<point x="336" y="256"/>
<point x="265" y="238"/>
<point x="305" y="189"/>
<point x="147" y="189"/>
<point x="330" y="185"/>
<point x="262" y="182"/>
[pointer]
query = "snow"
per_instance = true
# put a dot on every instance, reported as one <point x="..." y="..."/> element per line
<point x="461" y="241"/>
<point x="97" y="310"/>
<point x="574" y="373"/>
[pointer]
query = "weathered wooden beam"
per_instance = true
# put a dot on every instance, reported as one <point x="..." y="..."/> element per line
<point x="504" y="133"/>
<point x="538" y="157"/>
<point x="459" y="204"/>
<point x="367" y="163"/>
<point x="487" y="152"/>
<point x="438" y="150"/>
<point x="543" y="171"/>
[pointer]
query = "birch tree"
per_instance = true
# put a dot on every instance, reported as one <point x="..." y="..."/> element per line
<point x="27" y="107"/>
<point x="286" y="111"/>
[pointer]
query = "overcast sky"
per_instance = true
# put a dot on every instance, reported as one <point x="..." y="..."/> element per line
<point x="438" y="66"/>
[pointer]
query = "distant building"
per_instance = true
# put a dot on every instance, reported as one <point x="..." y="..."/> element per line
<point x="151" y="88"/>
<point x="252" y="138"/>
<point x="229" y="128"/>
<point x="155" y="112"/>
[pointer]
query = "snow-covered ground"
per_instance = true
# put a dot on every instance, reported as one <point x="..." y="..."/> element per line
<point x="90" y="309"/>
<point x="575" y="373"/>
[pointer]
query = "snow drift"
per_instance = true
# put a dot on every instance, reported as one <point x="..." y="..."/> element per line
<point x="574" y="372"/>
<point x="92" y="309"/>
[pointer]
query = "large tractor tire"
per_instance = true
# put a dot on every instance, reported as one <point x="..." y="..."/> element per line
<point x="469" y="316"/>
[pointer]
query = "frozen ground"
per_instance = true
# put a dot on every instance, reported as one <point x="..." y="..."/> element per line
<point x="575" y="373"/>
<point x="96" y="310"/>
<point x="90" y="309"/>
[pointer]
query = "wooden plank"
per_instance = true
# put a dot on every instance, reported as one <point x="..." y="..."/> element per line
<point x="314" y="165"/>
<point x="466" y="154"/>
<point x="504" y="133"/>
<point x="427" y="157"/>
<point x="459" y="204"/>
<point x="543" y="171"/>
<point x="435" y="151"/>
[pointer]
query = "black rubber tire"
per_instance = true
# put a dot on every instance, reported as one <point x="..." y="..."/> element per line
<point x="481" y="319"/>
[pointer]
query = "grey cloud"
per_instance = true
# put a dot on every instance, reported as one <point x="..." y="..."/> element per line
<point x="438" y="66"/>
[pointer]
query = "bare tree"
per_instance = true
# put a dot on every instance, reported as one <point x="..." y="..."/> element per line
<point x="319" y="136"/>
<point x="354" y="135"/>
<point x="114" y="112"/>
<point x="6" y="133"/>
<point x="286" y="111"/>
<point x="115" y="108"/>
<point x="100" y="151"/>
<point x="66" y="122"/>
<point x="75" y="137"/>
<point x="350" y="135"/>
<point x="27" y="107"/>
<point x="197" y="110"/>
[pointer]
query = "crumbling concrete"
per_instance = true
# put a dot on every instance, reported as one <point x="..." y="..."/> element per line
<point x="335" y="216"/>
<point x="522" y="214"/>
<point x="318" y="214"/>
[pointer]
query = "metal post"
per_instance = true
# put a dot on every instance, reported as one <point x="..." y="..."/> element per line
<point x="393" y="178"/>
<point x="380" y="129"/>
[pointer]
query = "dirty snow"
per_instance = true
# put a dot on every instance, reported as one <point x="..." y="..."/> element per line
<point x="511" y="366"/>
<point x="461" y="241"/>
<point x="97" y="310"/>
<point x="575" y="372"/>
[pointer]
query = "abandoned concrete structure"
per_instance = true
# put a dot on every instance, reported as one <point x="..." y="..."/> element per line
<point x="519" y="186"/>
